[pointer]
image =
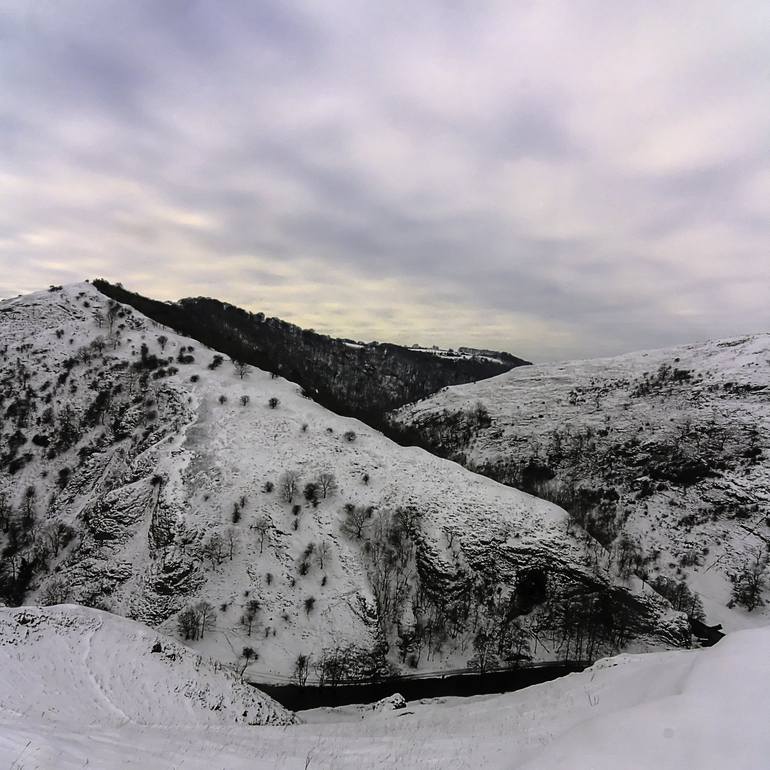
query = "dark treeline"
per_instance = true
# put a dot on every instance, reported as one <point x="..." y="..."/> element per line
<point x="363" y="382"/>
<point x="296" y="697"/>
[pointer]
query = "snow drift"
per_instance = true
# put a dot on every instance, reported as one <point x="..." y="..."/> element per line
<point x="81" y="689"/>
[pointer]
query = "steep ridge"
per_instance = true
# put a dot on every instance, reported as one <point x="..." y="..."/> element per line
<point x="662" y="455"/>
<point x="362" y="380"/>
<point x="144" y="475"/>
<point x="80" y="688"/>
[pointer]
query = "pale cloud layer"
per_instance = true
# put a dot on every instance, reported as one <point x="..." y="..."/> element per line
<point x="558" y="179"/>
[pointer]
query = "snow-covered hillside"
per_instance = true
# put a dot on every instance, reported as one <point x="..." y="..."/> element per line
<point x="662" y="455"/>
<point x="67" y="661"/>
<point x="140" y="476"/>
<point x="80" y="688"/>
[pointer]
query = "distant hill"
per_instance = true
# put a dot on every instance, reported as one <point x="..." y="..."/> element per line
<point x="356" y="379"/>
<point x="663" y="455"/>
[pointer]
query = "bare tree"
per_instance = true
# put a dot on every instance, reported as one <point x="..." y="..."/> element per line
<point x="355" y="519"/>
<point x="262" y="526"/>
<point x="28" y="508"/>
<point x="247" y="655"/>
<point x="310" y="493"/>
<point x="207" y="616"/>
<point x="288" y="485"/>
<point x="231" y="539"/>
<point x="113" y="308"/>
<point x="214" y="549"/>
<point x="301" y="669"/>
<point x="250" y="612"/>
<point x="162" y="341"/>
<point x="241" y="368"/>
<point x="57" y="534"/>
<point x="187" y="623"/>
<point x="55" y="592"/>
<point x="5" y="512"/>
<point x="750" y="580"/>
<point x="322" y="553"/>
<point x="327" y="483"/>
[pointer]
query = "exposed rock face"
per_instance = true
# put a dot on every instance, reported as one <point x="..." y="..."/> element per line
<point x="662" y="456"/>
<point x="142" y="476"/>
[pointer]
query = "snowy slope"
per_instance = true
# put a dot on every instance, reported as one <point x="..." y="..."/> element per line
<point x="145" y="469"/>
<point x="60" y="661"/>
<point x="664" y="711"/>
<point x="667" y="448"/>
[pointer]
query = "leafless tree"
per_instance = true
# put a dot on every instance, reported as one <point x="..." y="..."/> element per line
<point x="187" y="623"/>
<point x="57" y="534"/>
<point x="327" y="483"/>
<point x="323" y="553"/>
<point x="231" y="539"/>
<point x="241" y="368"/>
<point x="214" y="549"/>
<point x="288" y="485"/>
<point x="751" y="580"/>
<point x="247" y="655"/>
<point x="250" y="612"/>
<point x="113" y="309"/>
<point x="301" y="669"/>
<point x="355" y="520"/>
<point x="262" y="526"/>
<point x="55" y="592"/>
<point x="5" y="512"/>
<point x="207" y="616"/>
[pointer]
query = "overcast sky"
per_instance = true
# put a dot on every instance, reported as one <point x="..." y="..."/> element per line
<point x="558" y="179"/>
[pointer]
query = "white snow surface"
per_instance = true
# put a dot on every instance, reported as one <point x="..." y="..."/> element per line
<point x="67" y="660"/>
<point x="79" y="688"/>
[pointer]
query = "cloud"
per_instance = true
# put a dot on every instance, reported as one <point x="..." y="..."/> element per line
<point x="552" y="178"/>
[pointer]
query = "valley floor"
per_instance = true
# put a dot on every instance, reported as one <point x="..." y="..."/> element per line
<point x="688" y="709"/>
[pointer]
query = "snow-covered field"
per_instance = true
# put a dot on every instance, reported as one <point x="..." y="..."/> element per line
<point x="80" y="688"/>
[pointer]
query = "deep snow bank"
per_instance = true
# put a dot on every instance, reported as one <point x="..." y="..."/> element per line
<point x="72" y="664"/>
<point x="79" y="688"/>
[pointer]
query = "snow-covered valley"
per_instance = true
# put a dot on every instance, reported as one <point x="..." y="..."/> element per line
<point x="147" y="476"/>
<point x="189" y="525"/>
<point x="663" y="455"/>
